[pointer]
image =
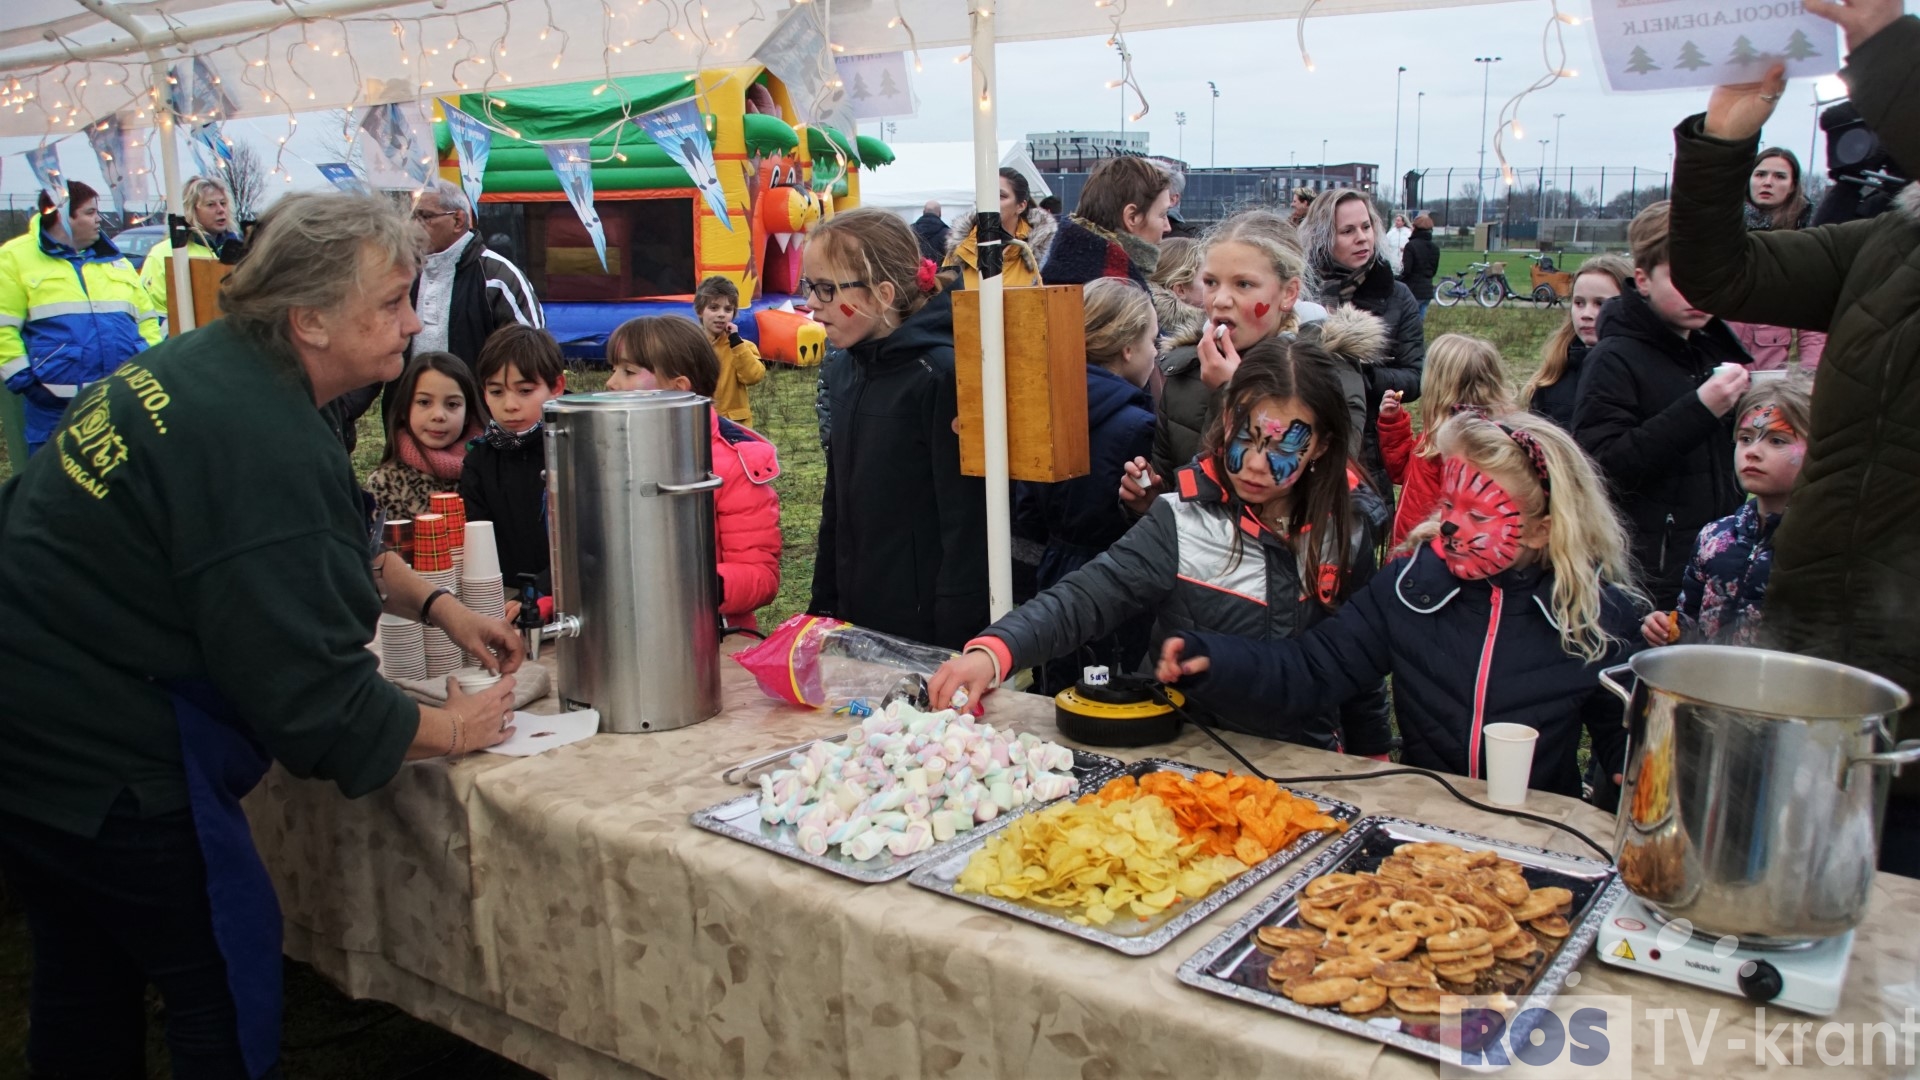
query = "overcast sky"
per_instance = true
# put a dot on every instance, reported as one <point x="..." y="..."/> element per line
<point x="1269" y="104"/>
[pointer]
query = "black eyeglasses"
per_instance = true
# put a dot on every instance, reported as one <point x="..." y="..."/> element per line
<point x="424" y="216"/>
<point x="825" y="291"/>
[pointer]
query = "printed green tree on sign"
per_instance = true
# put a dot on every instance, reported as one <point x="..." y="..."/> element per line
<point x="887" y="87"/>
<point x="1799" y="48"/>
<point x="1691" y="59"/>
<point x="1640" y="63"/>
<point x="1743" y="52"/>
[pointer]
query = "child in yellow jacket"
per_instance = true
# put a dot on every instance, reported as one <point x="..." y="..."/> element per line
<point x="715" y="302"/>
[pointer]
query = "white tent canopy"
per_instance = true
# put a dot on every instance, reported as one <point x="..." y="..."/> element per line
<point x="940" y="171"/>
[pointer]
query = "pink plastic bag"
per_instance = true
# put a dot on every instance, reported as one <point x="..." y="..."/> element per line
<point x="825" y="663"/>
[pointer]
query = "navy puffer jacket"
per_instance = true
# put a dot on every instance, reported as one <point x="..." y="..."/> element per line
<point x="1082" y="517"/>
<point x="1463" y="654"/>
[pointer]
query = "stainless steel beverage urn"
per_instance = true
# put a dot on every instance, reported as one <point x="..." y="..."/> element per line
<point x="630" y="492"/>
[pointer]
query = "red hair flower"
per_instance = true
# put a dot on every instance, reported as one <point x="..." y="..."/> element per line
<point x="928" y="275"/>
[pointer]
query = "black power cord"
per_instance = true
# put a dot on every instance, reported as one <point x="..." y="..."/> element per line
<point x="1160" y="697"/>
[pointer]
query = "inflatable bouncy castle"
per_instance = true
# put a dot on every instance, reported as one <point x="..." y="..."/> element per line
<point x="662" y="237"/>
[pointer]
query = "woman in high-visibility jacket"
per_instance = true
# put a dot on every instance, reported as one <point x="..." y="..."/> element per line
<point x="210" y="217"/>
<point x="72" y="309"/>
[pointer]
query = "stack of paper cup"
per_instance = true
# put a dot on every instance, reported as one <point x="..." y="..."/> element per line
<point x="402" y="651"/>
<point x="450" y="506"/>
<point x="433" y="560"/>
<point x="480" y="585"/>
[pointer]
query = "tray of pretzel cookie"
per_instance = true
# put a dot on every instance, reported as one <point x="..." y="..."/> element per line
<point x="1390" y="929"/>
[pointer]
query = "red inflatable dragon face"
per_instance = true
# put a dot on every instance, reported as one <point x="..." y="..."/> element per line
<point x="785" y="208"/>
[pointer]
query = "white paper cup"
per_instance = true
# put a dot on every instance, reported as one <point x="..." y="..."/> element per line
<point x="472" y="680"/>
<point x="1509" y="762"/>
<point x="480" y="555"/>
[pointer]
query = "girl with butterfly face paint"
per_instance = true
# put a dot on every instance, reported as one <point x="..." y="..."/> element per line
<point x="1262" y="536"/>
<point x="1503" y="608"/>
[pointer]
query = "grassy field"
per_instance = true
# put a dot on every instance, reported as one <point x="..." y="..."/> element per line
<point x="328" y="1035"/>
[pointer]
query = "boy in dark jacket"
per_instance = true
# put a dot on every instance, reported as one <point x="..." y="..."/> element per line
<point x="504" y="479"/>
<point x="1655" y="412"/>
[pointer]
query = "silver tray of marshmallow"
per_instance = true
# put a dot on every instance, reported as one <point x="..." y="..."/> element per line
<point x="903" y="789"/>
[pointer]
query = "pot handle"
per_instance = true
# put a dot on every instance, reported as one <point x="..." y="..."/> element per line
<point x="709" y="484"/>
<point x="1906" y="753"/>
<point x="1610" y="678"/>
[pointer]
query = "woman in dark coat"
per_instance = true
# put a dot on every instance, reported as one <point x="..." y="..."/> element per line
<point x="1853" y="539"/>
<point x="1420" y="262"/>
<point x="1343" y="235"/>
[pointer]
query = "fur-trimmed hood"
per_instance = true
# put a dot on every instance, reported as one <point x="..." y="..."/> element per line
<point x="1349" y="335"/>
<point x="1041" y="227"/>
<point x="1907" y="203"/>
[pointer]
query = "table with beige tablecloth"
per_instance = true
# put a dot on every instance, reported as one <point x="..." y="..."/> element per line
<point x="561" y="911"/>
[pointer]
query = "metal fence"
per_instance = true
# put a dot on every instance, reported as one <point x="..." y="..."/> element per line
<point x="1453" y="196"/>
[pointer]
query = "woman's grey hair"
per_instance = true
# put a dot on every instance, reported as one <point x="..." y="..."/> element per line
<point x="1316" y="229"/>
<point x="449" y="195"/>
<point x="310" y="251"/>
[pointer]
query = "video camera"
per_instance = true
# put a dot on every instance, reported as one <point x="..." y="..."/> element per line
<point x="227" y="249"/>
<point x="1862" y="171"/>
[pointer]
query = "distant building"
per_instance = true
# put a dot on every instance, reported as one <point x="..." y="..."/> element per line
<point x="1080" y="151"/>
<point x="1213" y="194"/>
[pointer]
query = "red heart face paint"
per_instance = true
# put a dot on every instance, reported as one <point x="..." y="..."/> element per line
<point x="1260" y="310"/>
<point x="1479" y="523"/>
<point x="848" y="310"/>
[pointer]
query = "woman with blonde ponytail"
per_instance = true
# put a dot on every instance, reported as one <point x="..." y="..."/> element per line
<point x="1505" y="608"/>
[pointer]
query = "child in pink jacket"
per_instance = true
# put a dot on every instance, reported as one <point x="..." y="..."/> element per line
<point x="666" y="352"/>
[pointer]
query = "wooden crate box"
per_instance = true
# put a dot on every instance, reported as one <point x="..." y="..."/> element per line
<point x="1046" y="383"/>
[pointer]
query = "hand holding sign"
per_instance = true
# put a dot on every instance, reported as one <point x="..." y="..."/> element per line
<point x="1738" y="112"/>
<point x="1860" y="19"/>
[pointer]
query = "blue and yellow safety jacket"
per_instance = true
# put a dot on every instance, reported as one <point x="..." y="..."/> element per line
<point x="67" y="318"/>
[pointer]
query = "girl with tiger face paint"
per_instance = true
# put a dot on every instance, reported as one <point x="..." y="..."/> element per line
<point x="1481" y="527"/>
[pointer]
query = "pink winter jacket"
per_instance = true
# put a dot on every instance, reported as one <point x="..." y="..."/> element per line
<point x="746" y="520"/>
<point x="1770" y="345"/>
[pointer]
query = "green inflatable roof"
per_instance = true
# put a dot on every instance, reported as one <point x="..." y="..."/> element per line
<point x="626" y="159"/>
<point x="873" y="152"/>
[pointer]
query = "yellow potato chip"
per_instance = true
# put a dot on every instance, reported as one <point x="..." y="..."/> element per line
<point x="1097" y="860"/>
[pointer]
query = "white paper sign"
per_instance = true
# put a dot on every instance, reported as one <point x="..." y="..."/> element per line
<point x="396" y="144"/>
<point x="877" y="86"/>
<point x="1678" y="44"/>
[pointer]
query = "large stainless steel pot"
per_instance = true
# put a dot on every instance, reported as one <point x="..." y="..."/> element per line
<point x="630" y="503"/>
<point x="1754" y="786"/>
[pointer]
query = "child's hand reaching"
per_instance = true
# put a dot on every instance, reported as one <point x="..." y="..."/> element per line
<point x="1139" y="486"/>
<point x="1657" y="629"/>
<point x="1390" y="406"/>
<point x="971" y="671"/>
<point x="1721" y="392"/>
<point x="1171" y="668"/>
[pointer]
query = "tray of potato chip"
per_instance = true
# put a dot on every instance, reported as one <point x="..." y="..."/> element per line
<point x="1133" y="864"/>
<point x="1387" y="933"/>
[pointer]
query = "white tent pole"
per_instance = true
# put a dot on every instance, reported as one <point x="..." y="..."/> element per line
<point x="163" y="126"/>
<point x="179" y="266"/>
<point x="993" y="349"/>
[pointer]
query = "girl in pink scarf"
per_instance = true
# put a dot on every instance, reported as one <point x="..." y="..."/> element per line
<point x="435" y="414"/>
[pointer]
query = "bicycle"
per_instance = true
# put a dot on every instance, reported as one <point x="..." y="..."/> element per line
<point x="1551" y="285"/>
<point x="1488" y="288"/>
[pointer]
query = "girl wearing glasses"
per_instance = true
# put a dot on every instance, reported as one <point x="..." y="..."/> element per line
<point x="902" y="545"/>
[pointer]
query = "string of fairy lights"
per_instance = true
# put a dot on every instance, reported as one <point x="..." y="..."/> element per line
<point x="473" y="51"/>
<point x="1553" y="43"/>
